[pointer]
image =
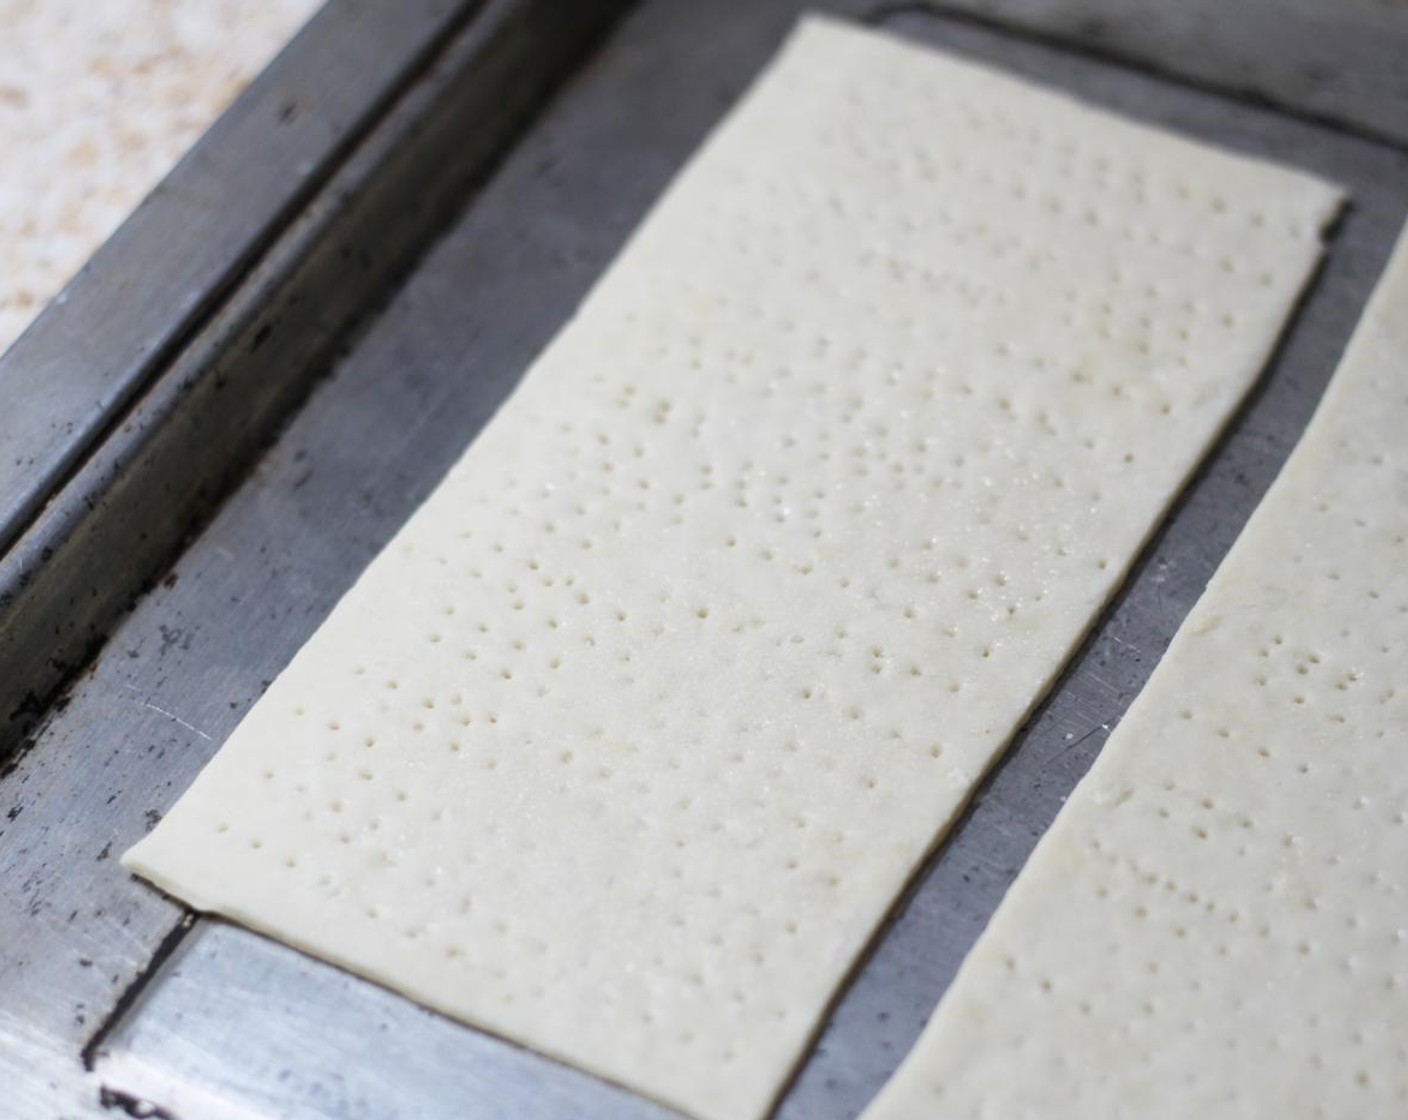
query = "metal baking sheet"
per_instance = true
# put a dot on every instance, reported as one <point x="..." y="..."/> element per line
<point x="67" y="378"/>
<point x="147" y="444"/>
<point x="96" y="967"/>
<point x="1339" y="62"/>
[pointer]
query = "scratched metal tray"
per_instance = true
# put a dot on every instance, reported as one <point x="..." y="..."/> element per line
<point x="438" y="182"/>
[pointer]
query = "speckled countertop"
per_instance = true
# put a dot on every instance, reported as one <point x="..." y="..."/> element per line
<point x="98" y="100"/>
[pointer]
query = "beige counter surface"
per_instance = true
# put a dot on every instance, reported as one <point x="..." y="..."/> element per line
<point x="97" y="102"/>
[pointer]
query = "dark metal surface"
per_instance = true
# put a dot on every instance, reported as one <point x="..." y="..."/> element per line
<point x="271" y="1033"/>
<point x="67" y="379"/>
<point x="1343" y="61"/>
<point x="75" y="931"/>
<point x="121" y="516"/>
<point x="374" y="1056"/>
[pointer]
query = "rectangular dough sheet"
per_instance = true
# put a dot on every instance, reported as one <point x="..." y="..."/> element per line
<point x="625" y="744"/>
<point x="1217" y="923"/>
<point x="98" y="100"/>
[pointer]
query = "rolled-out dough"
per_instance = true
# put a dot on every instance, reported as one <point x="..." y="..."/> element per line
<point x="625" y="744"/>
<point x="1217" y="923"/>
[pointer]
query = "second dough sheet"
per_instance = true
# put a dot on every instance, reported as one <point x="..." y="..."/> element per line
<point x="626" y="743"/>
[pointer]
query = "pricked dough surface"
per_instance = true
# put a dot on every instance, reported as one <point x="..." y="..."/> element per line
<point x="98" y="100"/>
<point x="1217" y="923"/>
<point x="625" y="744"/>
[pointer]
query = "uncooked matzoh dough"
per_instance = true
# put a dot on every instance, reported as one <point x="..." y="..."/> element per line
<point x="1217" y="923"/>
<point x="625" y="744"/>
